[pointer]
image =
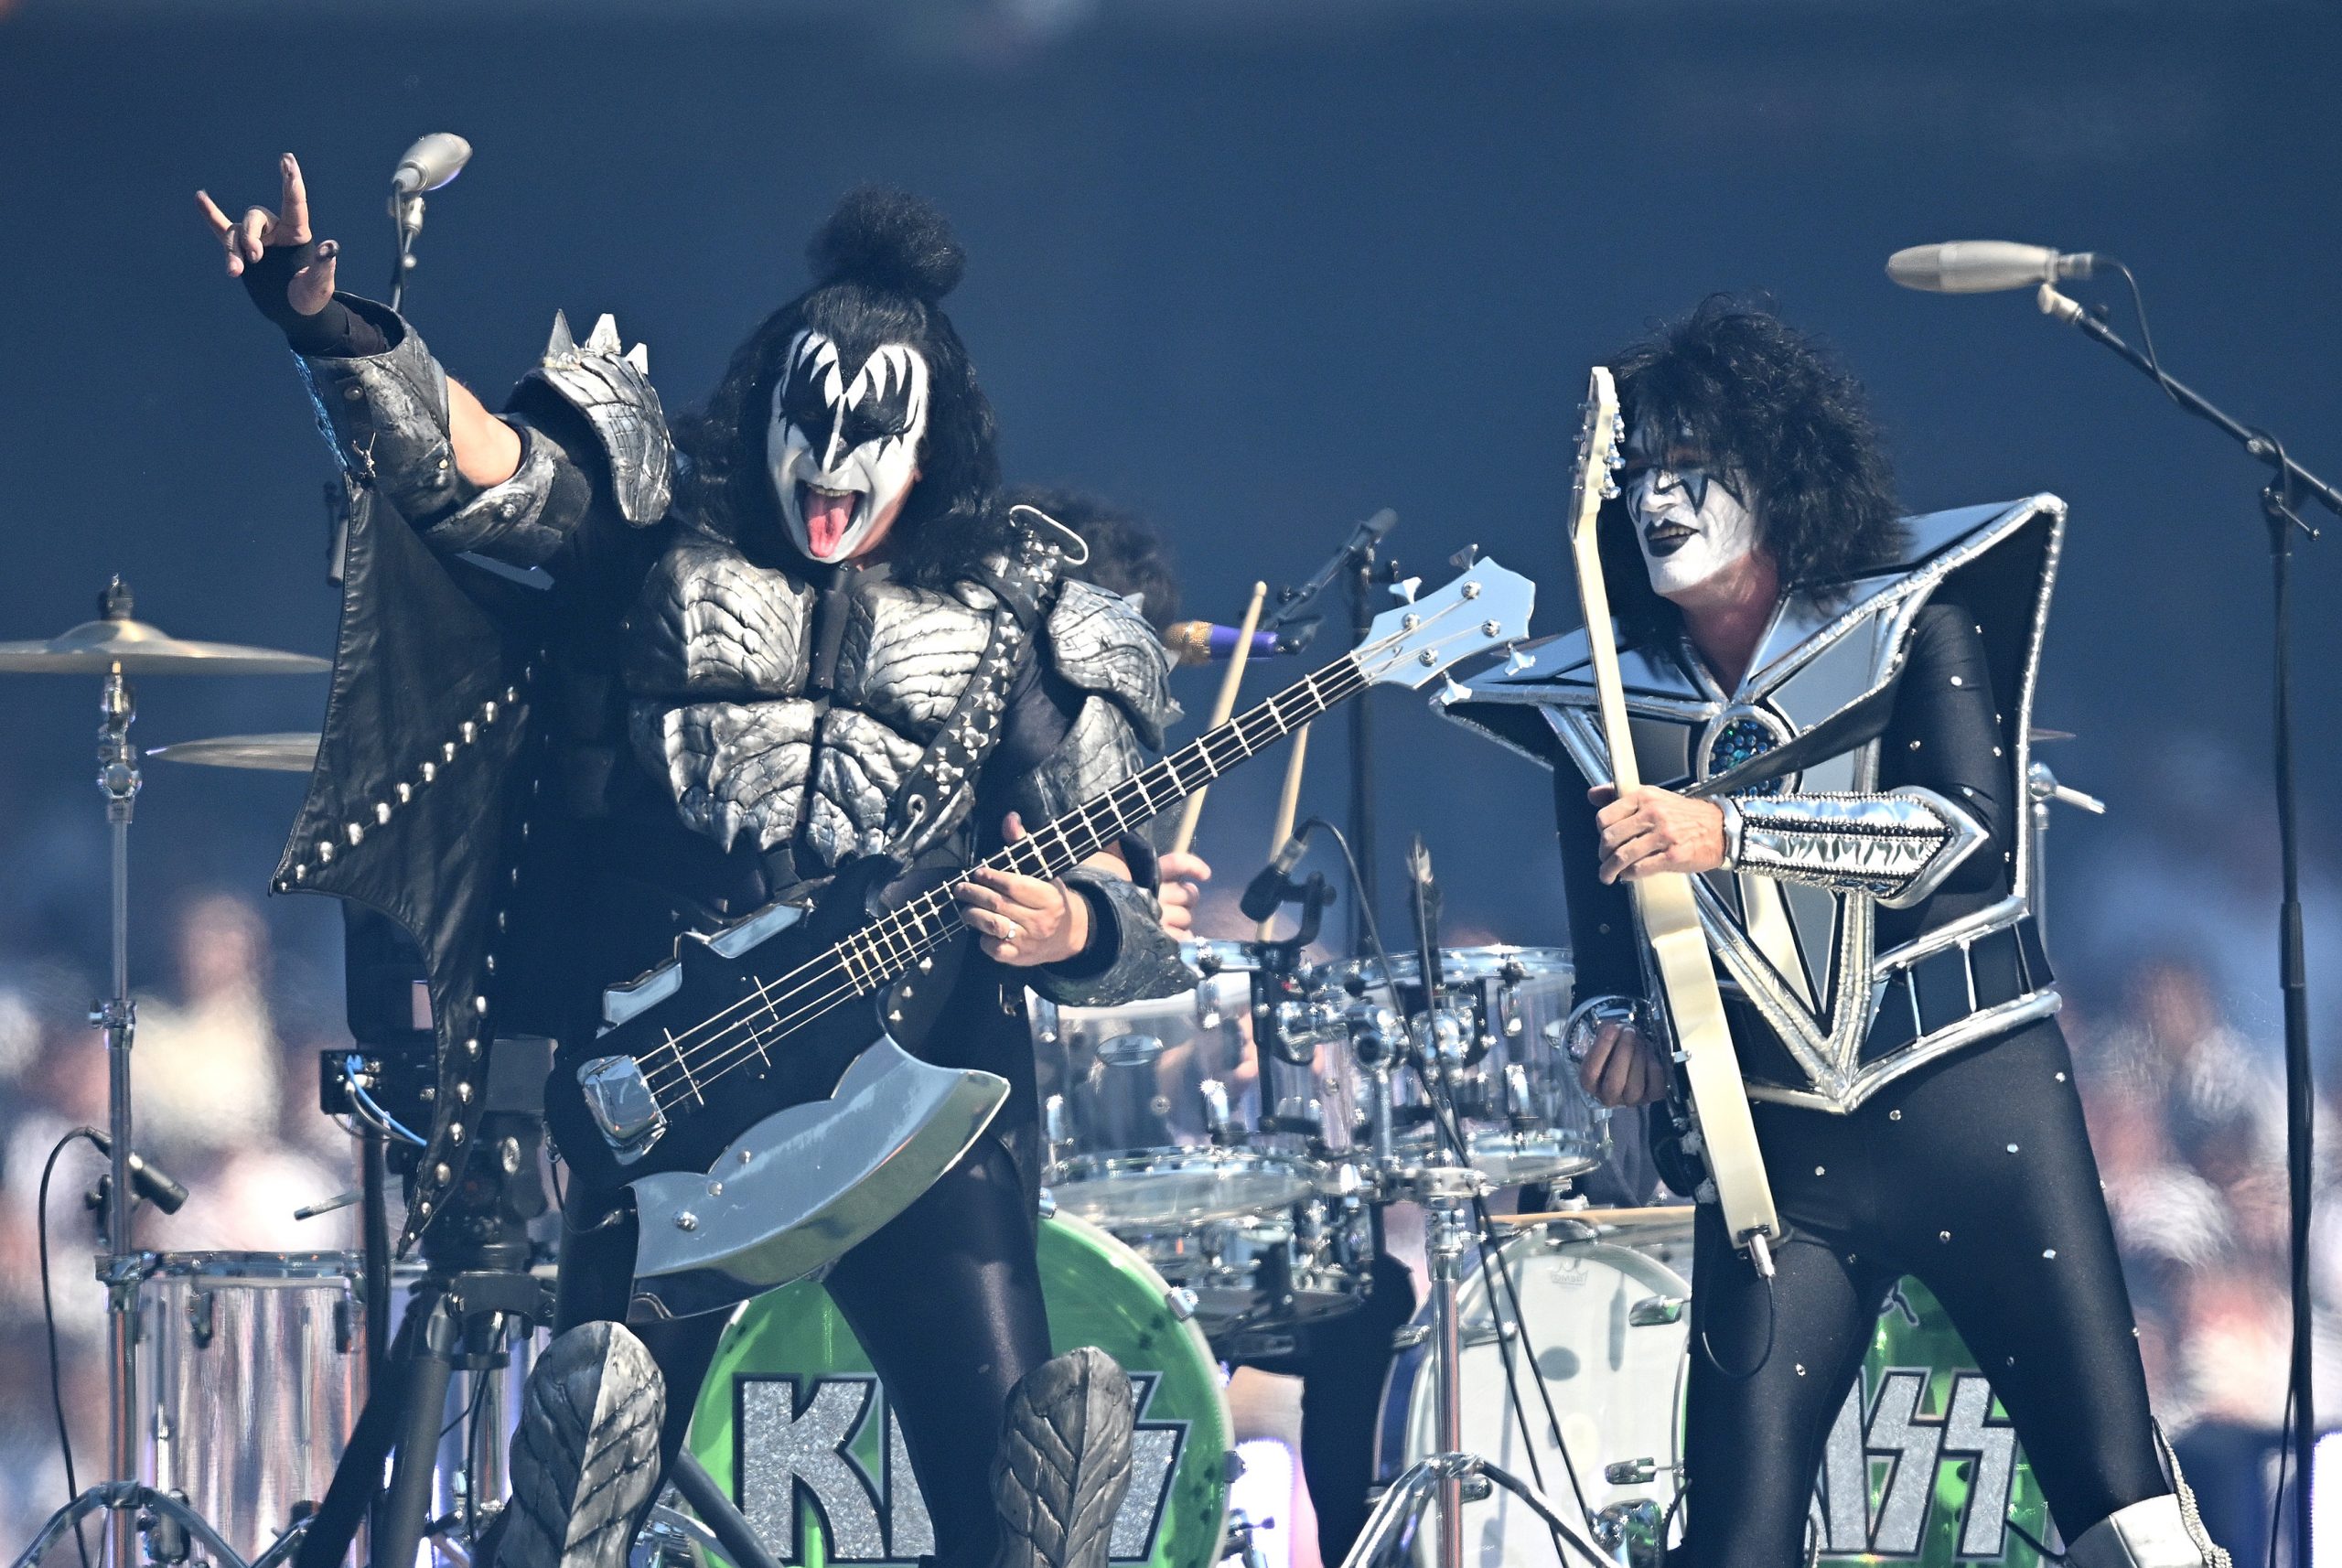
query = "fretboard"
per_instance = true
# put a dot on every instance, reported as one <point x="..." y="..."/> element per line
<point x="882" y="949"/>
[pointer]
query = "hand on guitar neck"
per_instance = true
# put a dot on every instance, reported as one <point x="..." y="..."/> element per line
<point x="1649" y="832"/>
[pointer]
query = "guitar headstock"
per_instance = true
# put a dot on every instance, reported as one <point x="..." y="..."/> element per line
<point x="1598" y="456"/>
<point x="1486" y="608"/>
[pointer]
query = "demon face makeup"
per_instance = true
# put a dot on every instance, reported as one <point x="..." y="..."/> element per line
<point x="844" y="444"/>
<point x="1691" y="521"/>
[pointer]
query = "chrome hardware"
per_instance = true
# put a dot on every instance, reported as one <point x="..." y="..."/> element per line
<point x="1655" y="1311"/>
<point x="619" y="1097"/>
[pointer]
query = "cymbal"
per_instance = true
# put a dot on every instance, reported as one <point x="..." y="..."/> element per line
<point x="115" y="641"/>
<point x="1635" y="1226"/>
<point x="289" y="752"/>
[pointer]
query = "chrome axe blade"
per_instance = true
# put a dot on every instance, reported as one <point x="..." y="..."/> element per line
<point x="799" y="1189"/>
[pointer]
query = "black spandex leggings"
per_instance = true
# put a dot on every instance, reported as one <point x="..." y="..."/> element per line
<point x="1973" y="1174"/>
<point x="946" y="1299"/>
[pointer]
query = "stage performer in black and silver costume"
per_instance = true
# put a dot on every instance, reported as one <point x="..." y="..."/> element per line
<point x="1831" y="707"/>
<point x="735" y="685"/>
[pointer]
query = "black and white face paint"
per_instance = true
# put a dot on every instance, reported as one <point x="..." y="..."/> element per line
<point x="843" y="445"/>
<point x="1691" y="524"/>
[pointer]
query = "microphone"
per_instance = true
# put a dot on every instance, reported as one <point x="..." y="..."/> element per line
<point x="1202" y="641"/>
<point x="431" y="162"/>
<point x="151" y="1181"/>
<point x="1984" y="266"/>
<point x="1266" y="890"/>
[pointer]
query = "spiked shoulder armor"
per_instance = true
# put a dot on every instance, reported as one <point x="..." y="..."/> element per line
<point x="612" y="392"/>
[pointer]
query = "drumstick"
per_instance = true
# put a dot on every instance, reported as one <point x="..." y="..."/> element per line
<point x="1288" y="802"/>
<point x="1219" y="712"/>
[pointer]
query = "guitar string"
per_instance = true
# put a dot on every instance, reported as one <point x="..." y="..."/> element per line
<point x="764" y="1024"/>
<point x="761" y="1032"/>
<point x="724" y="1061"/>
<point x="923" y="938"/>
<point x="1171" y="769"/>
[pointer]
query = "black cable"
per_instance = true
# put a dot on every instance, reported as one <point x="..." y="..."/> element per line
<point x="2147" y="338"/>
<point x="1443" y="1119"/>
<point x="49" y="1317"/>
<point x="2033" y="1542"/>
<point x="2284" y="1463"/>
<point x="1772" y="1324"/>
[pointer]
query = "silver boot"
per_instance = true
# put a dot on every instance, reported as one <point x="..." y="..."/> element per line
<point x="585" y="1455"/>
<point x="1065" y="1462"/>
<point x="2154" y="1533"/>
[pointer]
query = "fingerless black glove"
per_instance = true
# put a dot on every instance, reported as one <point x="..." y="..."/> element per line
<point x="336" y="332"/>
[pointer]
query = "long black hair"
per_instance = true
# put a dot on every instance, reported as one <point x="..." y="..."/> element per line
<point x="1780" y="420"/>
<point x="881" y="268"/>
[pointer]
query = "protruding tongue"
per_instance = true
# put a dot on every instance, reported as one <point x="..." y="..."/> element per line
<point x="828" y="515"/>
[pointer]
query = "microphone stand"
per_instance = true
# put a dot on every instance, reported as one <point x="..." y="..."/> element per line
<point x="2278" y="501"/>
<point x="1360" y="570"/>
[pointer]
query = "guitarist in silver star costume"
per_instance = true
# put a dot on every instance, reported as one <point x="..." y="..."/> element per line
<point x="1830" y="712"/>
<point x="799" y="632"/>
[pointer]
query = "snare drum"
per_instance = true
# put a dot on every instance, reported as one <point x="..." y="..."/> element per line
<point x="1162" y="1112"/>
<point x="1498" y="1037"/>
<point x="252" y="1374"/>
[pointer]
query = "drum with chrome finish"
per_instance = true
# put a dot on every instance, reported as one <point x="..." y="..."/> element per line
<point x="252" y="1374"/>
<point x="1606" y="1334"/>
<point x="1497" y="1037"/>
<point x="1267" y="1273"/>
<point x="1164" y="1113"/>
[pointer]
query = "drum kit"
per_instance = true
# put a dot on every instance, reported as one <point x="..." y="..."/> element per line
<point x="1218" y="1165"/>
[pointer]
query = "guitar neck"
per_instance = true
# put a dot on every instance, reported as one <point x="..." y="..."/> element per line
<point x="881" y="949"/>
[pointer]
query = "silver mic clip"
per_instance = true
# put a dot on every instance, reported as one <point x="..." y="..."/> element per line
<point x="2056" y="306"/>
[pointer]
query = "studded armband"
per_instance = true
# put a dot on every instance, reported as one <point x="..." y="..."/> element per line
<point x="1898" y="847"/>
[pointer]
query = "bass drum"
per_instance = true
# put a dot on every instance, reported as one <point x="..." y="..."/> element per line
<point x="1615" y="1383"/>
<point x="1921" y="1470"/>
<point x="794" y="1422"/>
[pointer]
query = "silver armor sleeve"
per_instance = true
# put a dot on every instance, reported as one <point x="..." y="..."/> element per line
<point x="1898" y="847"/>
<point x="386" y="418"/>
<point x="385" y="415"/>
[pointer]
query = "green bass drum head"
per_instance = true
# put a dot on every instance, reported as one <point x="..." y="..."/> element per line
<point x="1922" y="1465"/>
<point x="793" y="1423"/>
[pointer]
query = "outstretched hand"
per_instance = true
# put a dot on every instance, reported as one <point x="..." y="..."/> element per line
<point x="248" y="238"/>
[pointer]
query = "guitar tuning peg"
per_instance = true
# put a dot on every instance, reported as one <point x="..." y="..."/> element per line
<point x="1517" y="659"/>
<point x="1610" y="489"/>
<point x="1451" y="693"/>
<point x="1404" y="589"/>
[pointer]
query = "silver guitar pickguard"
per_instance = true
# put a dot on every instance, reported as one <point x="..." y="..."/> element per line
<point x="796" y="1190"/>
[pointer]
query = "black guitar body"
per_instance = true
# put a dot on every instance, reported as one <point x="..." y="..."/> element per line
<point x="725" y="1082"/>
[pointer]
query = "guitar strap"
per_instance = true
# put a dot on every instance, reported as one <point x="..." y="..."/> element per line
<point x="938" y="794"/>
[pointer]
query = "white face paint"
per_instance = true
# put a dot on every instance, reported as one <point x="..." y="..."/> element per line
<point x="843" y="454"/>
<point x="1690" y="526"/>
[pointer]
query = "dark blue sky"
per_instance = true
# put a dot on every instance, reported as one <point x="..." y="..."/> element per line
<point x="1255" y="279"/>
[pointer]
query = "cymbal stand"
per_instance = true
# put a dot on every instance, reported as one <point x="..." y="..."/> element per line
<point x="1448" y="1191"/>
<point x="133" y="1507"/>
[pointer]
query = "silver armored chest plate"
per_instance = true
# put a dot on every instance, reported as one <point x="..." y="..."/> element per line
<point x="718" y="654"/>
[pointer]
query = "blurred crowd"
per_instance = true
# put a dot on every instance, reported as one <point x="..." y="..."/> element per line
<point x="2185" y="1108"/>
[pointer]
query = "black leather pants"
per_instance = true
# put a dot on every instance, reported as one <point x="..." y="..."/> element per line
<point x="947" y="1301"/>
<point x="1974" y="1174"/>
